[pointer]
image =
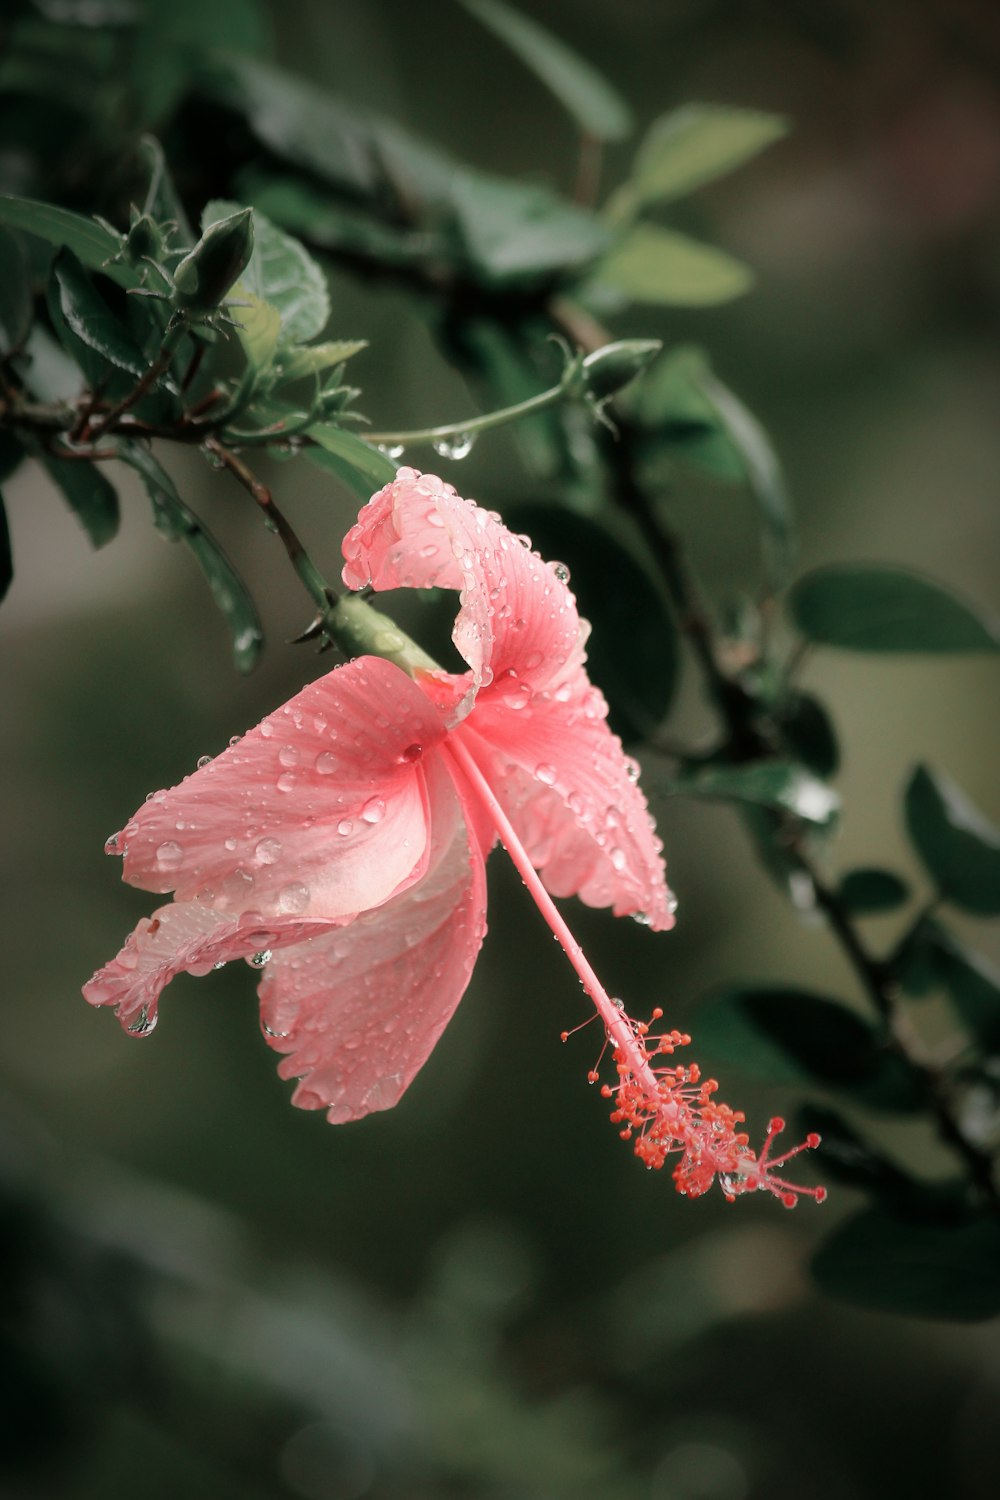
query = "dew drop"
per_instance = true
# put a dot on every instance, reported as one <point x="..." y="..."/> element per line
<point x="642" y="917"/>
<point x="267" y="851"/>
<point x="457" y="447"/>
<point x="169" y="855"/>
<point x="391" y="450"/>
<point x="373" y="810"/>
<point x="546" y="775"/>
<point x="344" y="827"/>
<point x="266" y="730"/>
<point x="221" y="964"/>
<point x="234" y="740"/>
<point x="203" y="761"/>
<point x="288" y="755"/>
<point x="293" y="898"/>
<point x="258" y="960"/>
<point x="111" y="845"/>
<point x="230" y="845"/>
<point x="144" y="1023"/>
<point x="631" y="768"/>
<point x="561" y="571"/>
<point x="326" y="763"/>
<point x="286" y="781"/>
<point x="274" y="1035"/>
<point x="412" y="753"/>
<point x="618" y="858"/>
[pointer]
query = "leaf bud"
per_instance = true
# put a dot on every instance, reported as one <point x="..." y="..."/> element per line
<point x="609" y="370"/>
<point x="208" y="271"/>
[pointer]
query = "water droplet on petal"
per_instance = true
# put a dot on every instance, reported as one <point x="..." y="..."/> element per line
<point x="258" y="960"/>
<point x="288" y="755"/>
<point x="111" y="844"/>
<point x="293" y="898"/>
<point x="234" y="740"/>
<point x="144" y="1023"/>
<point x="642" y="917"/>
<point x="373" y="810"/>
<point x="286" y="781"/>
<point x="267" y="851"/>
<point x="618" y="858"/>
<point x="326" y="763"/>
<point x="203" y="761"/>
<point x="266" y="730"/>
<point x="561" y="571"/>
<point x="412" y="753"/>
<point x="546" y="774"/>
<point x="345" y="826"/>
<point x="169" y="855"/>
<point x="230" y="845"/>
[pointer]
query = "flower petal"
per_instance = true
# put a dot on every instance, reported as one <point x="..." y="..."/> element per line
<point x="185" y="935"/>
<point x="319" y="811"/>
<point x="570" y="791"/>
<point x="518" y="625"/>
<point x="359" y="1010"/>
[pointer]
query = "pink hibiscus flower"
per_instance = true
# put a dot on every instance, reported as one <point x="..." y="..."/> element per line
<point x="340" y="845"/>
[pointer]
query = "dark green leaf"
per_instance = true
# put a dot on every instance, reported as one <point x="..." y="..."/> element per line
<point x="89" y="316"/>
<point x="766" y="784"/>
<point x="356" y="463"/>
<point x="11" y="454"/>
<point x="632" y="652"/>
<point x="518" y="231"/>
<point x="848" y="1158"/>
<point x="790" y="1035"/>
<point x="16" y="302"/>
<point x="88" y="493"/>
<point x="280" y="272"/>
<point x="665" y="268"/>
<point x="949" y="1270"/>
<point x="176" y="521"/>
<point x="959" y="847"/>
<point x="809" y="732"/>
<point x="973" y="983"/>
<point x="691" y="146"/>
<point x="866" y="891"/>
<point x="589" y="99"/>
<point x="175" y="33"/>
<point x="6" y="556"/>
<point x="864" y="607"/>
<point x="314" y="214"/>
<point x="93" y="243"/>
<point x="161" y="202"/>
<point x="670" y="405"/>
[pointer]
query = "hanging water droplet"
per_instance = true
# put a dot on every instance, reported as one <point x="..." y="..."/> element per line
<point x="220" y="964"/>
<point x="632" y="768"/>
<point x="258" y="960"/>
<point x="642" y="917"/>
<point x="391" y="450"/>
<point x="144" y="1023"/>
<point x="202" y="761"/>
<point x="561" y="571"/>
<point x="169" y="855"/>
<point x="455" y="447"/>
<point x="671" y="902"/>
<point x="618" y="1004"/>
<point x="267" y="851"/>
<point x="274" y="1035"/>
<point x="111" y="844"/>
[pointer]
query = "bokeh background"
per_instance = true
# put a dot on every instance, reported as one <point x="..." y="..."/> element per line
<point x="481" y="1293"/>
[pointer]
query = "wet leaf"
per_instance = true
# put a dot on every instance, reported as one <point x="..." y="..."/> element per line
<point x="92" y="243"/>
<point x="693" y="145"/>
<point x="865" y="891"/>
<point x="589" y="99"/>
<point x="949" y="1270"/>
<point x="515" y="231"/>
<point x="665" y="268"/>
<point x="89" y="316"/>
<point x="633" y="652"/>
<point x="88" y="493"/>
<point x="865" y="607"/>
<point x="790" y="1036"/>
<point x="959" y="847"/>
<point x="767" y="784"/>
<point x="178" y="522"/>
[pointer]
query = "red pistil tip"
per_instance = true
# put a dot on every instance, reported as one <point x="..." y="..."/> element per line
<point x="668" y="1111"/>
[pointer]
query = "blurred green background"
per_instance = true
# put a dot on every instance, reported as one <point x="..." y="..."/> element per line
<point x="480" y="1293"/>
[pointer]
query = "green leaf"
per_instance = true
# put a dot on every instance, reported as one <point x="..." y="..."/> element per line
<point x="12" y="454"/>
<point x="865" y="607"/>
<point x="16" y="301"/>
<point x="932" y="959"/>
<point x="633" y="652"/>
<point x="949" y="1270"/>
<point x="764" y="476"/>
<point x="809" y="732"/>
<point x="174" y="34"/>
<point x="313" y="213"/>
<point x="866" y="891"/>
<point x="6" y="556"/>
<point x="663" y="267"/>
<point x="313" y="359"/>
<point x="691" y="146"/>
<point x="162" y="203"/>
<point x="774" y="784"/>
<point x="90" y="317"/>
<point x="670" y="405"/>
<point x="959" y="847"/>
<point x="356" y="463"/>
<point x="88" y="493"/>
<point x="258" y="327"/>
<point x="790" y="1036"/>
<point x="282" y="273"/>
<point x="173" y="518"/>
<point x="848" y="1157"/>
<point x="518" y="231"/>
<point x="92" y="243"/>
<point x="589" y="99"/>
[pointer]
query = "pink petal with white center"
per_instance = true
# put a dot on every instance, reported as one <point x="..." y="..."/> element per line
<point x="359" y="1010"/>
<point x="570" y="792"/>
<point x="185" y="936"/>
<point x="518" y="621"/>
<point x="319" y="812"/>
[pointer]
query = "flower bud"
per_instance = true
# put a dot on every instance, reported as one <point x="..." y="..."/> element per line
<point x="208" y="271"/>
<point x="609" y="370"/>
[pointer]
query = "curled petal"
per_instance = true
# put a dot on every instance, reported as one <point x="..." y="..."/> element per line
<point x="571" y="794"/>
<point x="184" y="936"/>
<point x="518" y="620"/>
<point x="319" y="812"/>
<point x="359" y="1010"/>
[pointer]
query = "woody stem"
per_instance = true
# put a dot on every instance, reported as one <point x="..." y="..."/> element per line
<point x="618" y="1030"/>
